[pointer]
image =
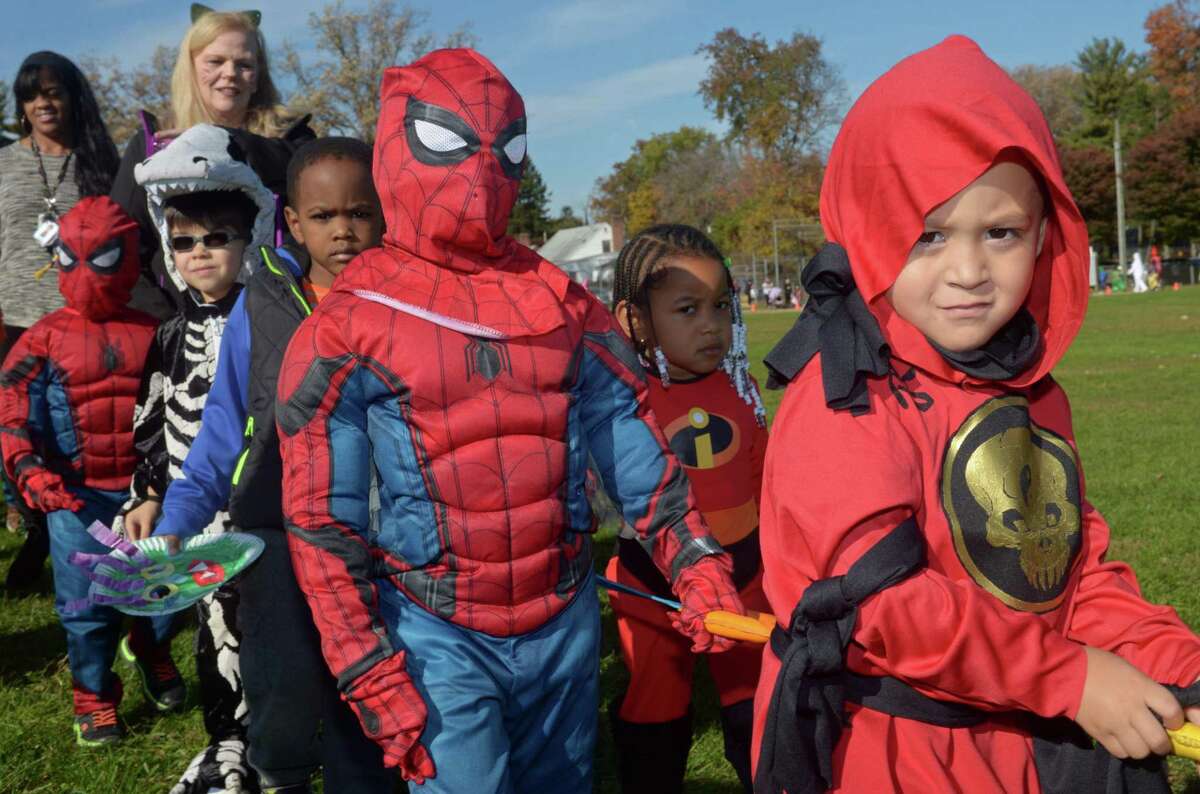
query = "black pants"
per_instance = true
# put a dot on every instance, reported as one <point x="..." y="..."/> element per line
<point x="298" y="720"/>
<point x="36" y="548"/>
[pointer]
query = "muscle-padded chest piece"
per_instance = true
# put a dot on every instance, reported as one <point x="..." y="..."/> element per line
<point x="97" y="252"/>
<point x="1011" y="493"/>
<point x="450" y="152"/>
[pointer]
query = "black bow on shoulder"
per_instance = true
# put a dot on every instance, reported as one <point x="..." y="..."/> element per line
<point x="836" y="322"/>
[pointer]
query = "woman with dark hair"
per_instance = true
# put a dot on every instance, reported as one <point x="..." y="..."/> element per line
<point x="64" y="153"/>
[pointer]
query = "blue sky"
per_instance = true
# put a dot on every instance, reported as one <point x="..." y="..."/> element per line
<point x="599" y="74"/>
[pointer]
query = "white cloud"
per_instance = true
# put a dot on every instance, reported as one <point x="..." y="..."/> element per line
<point x="609" y="99"/>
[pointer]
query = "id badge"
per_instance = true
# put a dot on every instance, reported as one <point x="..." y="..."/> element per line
<point x="46" y="233"/>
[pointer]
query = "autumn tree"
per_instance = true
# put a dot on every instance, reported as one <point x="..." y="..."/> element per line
<point x="341" y="88"/>
<point x="121" y="92"/>
<point x="4" y="95"/>
<point x="1165" y="185"/>
<point x="1089" y="171"/>
<point x="1173" y="33"/>
<point x="777" y="100"/>
<point x="1056" y="89"/>
<point x="631" y="193"/>
<point x="531" y="213"/>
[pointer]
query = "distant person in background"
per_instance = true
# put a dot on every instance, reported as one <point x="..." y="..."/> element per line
<point x="1156" y="268"/>
<point x="221" y="77"/>
<point x="64" y="153"/>
<point x="1137" y="269"/>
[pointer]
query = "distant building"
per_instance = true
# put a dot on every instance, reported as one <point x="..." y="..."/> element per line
<point x="579" y="242"/>
<point x="587" y="254"/>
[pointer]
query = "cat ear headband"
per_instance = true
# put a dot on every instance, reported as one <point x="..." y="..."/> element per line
<point x="199" y="10"/>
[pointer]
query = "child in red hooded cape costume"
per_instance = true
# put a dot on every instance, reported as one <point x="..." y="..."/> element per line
<point x="939" y="577"/>
<point x="436" y="415"/>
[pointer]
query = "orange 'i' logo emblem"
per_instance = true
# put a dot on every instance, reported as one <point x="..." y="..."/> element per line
<point x="698" y="419"/>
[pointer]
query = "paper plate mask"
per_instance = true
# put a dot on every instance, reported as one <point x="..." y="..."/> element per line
<point x="144" y="578"/>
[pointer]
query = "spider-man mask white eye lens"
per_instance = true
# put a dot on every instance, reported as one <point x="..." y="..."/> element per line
<point x="108" y="258"/>
<point x="436" y="136"/>
<point x="66" y="257"/>
<point x="439" y="139"/>
<point x="515" y="149"/>
<point x="509" y="149"/>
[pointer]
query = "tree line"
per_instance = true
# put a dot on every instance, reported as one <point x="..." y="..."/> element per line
<point x="780" y="102"/>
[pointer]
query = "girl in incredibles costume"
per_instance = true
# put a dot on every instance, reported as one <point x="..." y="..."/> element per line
<point x="932" y="558"/>
<point x="675" y="298"/>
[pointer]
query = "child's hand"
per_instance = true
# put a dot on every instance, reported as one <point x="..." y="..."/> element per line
<point x="703" y="587"/>
<point x="139" y="522"/>
<point x="45" y="491"/>
<point x="1119" y="708"/>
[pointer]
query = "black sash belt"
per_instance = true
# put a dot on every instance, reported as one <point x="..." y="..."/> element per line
<point x="807" y="708"/>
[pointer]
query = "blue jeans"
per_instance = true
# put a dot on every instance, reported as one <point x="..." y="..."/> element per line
<point x="506" y="714"/>
<point x="94" y="631"/>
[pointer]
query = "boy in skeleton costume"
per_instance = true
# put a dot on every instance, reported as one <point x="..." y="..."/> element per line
<point x="213" y="213"/>
<point x="938" y="575"/>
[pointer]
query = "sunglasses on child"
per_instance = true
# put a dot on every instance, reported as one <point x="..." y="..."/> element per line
<point x="183" y="243"/>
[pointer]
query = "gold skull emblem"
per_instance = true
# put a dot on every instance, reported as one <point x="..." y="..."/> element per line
<point x="1023" y="489"/>
<point x="1011" y="493"/>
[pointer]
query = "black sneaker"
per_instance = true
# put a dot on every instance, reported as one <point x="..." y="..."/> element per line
<point x="98" y="728"/>
<point x="161" y="681"/>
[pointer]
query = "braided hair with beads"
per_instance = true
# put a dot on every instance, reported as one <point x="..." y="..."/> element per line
<point x="638" y="270"/>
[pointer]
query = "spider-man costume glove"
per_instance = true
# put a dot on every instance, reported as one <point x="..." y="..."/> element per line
<point x="392" y="714"/>
<point x="44" y="490"/>
<point x="706" y="586"/>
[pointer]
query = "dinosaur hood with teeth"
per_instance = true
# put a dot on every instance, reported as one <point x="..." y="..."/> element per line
<point x="205" y="157"/>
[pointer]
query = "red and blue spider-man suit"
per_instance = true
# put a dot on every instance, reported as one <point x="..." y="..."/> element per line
<point x="67" y="395"/>
<point x="436" y="415"/>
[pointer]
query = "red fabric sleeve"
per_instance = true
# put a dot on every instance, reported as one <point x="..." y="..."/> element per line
<point x="22" y="366"/>
<point x="758" y="454"/>
<point x="1108" y="610"/>
<point x="317" y="399"/>
<point x="858" y="477"/>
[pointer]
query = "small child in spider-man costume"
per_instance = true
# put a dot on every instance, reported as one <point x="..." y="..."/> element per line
<point x="436" y="413"/>
<point x="67" y="393"/>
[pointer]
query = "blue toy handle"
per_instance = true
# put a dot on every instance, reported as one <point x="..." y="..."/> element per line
<point x="622" y="588"/>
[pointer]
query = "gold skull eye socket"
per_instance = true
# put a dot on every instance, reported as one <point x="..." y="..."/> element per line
<point x="1010" y="491"/>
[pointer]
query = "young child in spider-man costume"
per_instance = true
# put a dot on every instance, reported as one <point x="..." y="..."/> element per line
<point x="675" y="298"/>
<point x="67" y="393"/>
<point x="436" y="414"/>
<point x="927" y="541"/>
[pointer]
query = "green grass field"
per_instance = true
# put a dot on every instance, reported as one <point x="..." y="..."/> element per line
<point x="1134" y="381"/>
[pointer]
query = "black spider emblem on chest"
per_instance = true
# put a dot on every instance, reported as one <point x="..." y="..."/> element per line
<point x="113" y="359"/>
<point x="486" y="358"/>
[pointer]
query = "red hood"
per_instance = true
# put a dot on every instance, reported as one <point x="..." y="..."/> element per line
<point x="919" y="134"/>
<point x="446" y="183"/>
<point x="449" y="153"/>
<point x="97" y="257"/>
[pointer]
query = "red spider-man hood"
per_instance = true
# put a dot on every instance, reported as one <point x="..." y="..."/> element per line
<point x="97" y="253"/>
<point x="919" y="134"/>
<point x="449" y="153"/>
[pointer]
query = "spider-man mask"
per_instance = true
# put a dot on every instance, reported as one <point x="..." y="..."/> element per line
<point x="449" y="154"/>
<point x="97" y="257"/>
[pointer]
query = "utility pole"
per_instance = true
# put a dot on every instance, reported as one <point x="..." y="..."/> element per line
<point x="775" y="234"/>
<point x="1120" y="194"/>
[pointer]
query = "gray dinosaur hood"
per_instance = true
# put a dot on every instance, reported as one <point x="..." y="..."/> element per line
<point x="205" y="157"/>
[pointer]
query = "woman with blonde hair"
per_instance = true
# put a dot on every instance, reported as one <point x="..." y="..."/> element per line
<point x="222" y="76"/>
